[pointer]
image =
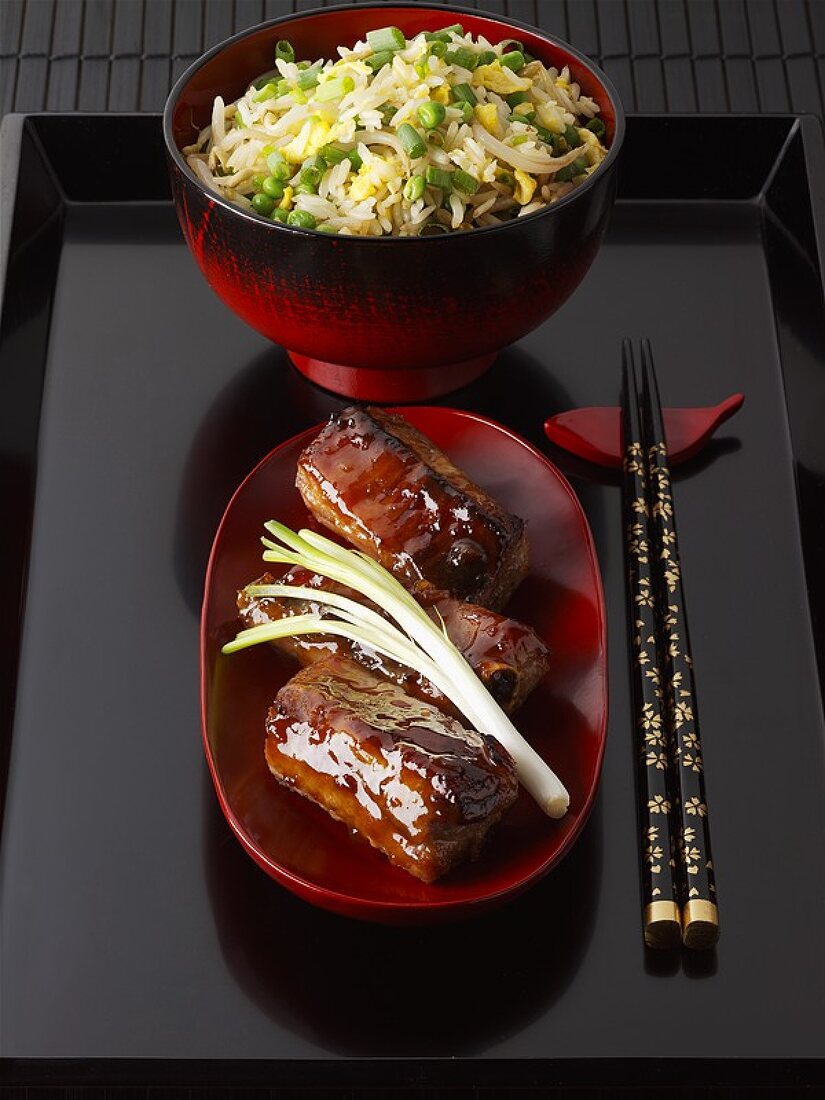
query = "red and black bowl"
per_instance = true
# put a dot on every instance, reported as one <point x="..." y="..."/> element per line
<point x="385" y="318"/>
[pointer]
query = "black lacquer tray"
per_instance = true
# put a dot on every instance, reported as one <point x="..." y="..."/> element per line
<point x="138" y="944"/>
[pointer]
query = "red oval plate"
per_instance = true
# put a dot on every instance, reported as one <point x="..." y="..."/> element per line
<point x="565" y="719"/>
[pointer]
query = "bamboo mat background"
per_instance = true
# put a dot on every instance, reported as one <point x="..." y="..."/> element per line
<point x="664" y="55"/>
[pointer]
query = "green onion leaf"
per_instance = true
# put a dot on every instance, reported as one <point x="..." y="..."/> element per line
<point x="405" y="633"/>
<point x="597" y="127"/>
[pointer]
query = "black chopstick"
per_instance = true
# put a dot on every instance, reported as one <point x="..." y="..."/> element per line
<point x="660" y="893"/>
<point x="696" y="880"/>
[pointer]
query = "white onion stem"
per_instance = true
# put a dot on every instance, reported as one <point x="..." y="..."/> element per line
<point x="416" y="641"/>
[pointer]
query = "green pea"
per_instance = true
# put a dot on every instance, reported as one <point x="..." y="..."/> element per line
<point x="414" y="188"/>
<point x="325" y="227"/>
<point x="431" y="114"/>
<point x="273" y="187"/>
<point x="263" y="204"/>
<point x="279" y="215"/>
<point x="302" y="219"/>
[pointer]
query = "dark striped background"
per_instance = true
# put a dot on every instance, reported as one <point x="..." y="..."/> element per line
<point x="664" y="55"/>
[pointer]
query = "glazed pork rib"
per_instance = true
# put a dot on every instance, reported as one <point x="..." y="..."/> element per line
<point x="508" y="656"/>
<point x="411" y="780"/>
<point x="373" y="478"/>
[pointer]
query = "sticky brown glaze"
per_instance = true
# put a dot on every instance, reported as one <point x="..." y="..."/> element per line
<point x="508" y="656"/>
<point x="411" y="780"/>
<point x="373" y="478"/>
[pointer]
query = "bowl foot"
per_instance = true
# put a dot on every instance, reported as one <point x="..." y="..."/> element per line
<point x="391" y="385"/>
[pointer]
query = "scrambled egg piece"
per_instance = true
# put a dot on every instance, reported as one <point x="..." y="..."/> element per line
<point x="312" y="136"/>
<point x="286" y="200"/>
<point x="525" y="187"/>
<point x="550" y="117"/>
<point x="499" y="78"/>
<point x="362" y="186"/>
<point x="441" y="95"/>
<point x="487" y="115"/>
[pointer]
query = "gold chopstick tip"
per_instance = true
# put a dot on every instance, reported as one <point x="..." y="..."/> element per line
<point x="700" y="922"/>
<point x="663" y="929"/>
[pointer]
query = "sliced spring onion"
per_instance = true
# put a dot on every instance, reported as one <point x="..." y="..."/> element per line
<point x="596" y="126"/>
<point x="463" y="93"/>
<point x="463" y="57"/>
<point x="308" y="78"/>
<point x="437" y="177"/>
<point x="513" y="60"/>
<point x="463" y="181"/>
<point x="386" y="38"/>
<point x="408" y="635"/>
<point x="284" y="51"/>
<point x="445" y="34"/>
<point x="278" y="166"/>
<point x="332" y="155"/>
<point x="335" y="89"/>
<point x="268" y="91"/>
<point x="411" y="140"/>
<point x="379" y="60"/>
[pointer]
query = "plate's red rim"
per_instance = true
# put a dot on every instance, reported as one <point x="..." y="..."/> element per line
<point x="309" y="887"/>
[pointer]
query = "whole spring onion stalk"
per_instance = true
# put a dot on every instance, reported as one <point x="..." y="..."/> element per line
<point x="412" y="639"/>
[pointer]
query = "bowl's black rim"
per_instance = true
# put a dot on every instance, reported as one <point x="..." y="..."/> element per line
<point x="278" y="227"/>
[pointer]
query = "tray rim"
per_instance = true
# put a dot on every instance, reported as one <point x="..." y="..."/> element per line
<point x="439" y="1070"/>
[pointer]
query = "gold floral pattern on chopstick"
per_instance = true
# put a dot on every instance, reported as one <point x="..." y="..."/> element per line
<point x="660" y="898"/>
<point x="696" y="880"/>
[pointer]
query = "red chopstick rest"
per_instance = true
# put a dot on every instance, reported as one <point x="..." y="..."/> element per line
<point x="595" y="433"/>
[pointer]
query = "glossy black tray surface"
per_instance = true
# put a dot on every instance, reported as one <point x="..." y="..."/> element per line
<point x="139" y="943"/>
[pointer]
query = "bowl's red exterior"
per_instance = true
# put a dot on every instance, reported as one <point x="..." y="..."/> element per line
<point x="384" y="303"/>
<point x="294" y="841"/>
